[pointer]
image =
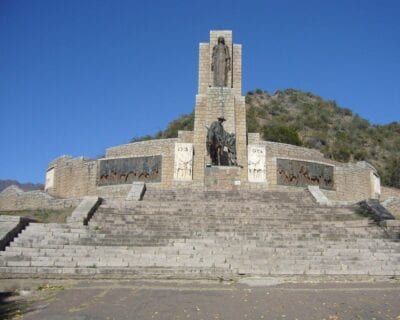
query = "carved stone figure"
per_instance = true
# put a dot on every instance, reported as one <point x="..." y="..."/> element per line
<point x="303" y="173"/>
<point x="221" y="63"/>
<point x="221" y="145"/>
<point x="256" y="163"/>
<point x="128" y="170"/>
<point x="183" y="162"/>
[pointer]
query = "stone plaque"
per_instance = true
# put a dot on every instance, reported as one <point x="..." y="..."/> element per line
<point x="183" y="164"/>
<point x="128" y="170"/>
<point x="256" y="163"/>
<point x="49" y="179"/>
<point x="303" y="173"/>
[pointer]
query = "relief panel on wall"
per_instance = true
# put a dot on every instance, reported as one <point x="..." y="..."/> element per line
<point x="183" y="163"/>
<point x="127" y="170"/>
<point x="303" y="173"/>
<point x="256" y="163"/>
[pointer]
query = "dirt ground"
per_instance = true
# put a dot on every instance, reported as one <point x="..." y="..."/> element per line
<point x="252" y="299"/>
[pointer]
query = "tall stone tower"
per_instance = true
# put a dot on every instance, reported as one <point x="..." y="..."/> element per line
<point x="219" y="95"/>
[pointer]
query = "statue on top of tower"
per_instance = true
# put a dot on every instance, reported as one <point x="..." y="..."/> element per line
<point x="221" y="63"/>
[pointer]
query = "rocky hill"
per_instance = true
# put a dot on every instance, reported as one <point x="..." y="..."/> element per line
<point x="24" y="186"/>
<point x="302" y="118"/>
<point x="298" y="117"/>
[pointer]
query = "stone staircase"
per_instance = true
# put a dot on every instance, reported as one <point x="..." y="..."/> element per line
<point x="194" y="234"/>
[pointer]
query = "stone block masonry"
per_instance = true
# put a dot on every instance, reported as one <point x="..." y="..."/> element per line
<point x="15" y="199"/>
<point x="222" y="178"/>
<point x="73" y="177"/>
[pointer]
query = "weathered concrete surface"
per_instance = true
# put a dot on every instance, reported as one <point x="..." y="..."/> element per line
<point x="318" y="195"/>
<point x="137" y="191"/>
<point x="202" y="300"/>
<point x="85" y="210"/>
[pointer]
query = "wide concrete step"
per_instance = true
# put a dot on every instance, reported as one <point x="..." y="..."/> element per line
<point x="189" y="249"/>
<point x="218" y="206"/>
<point x="184" y="194"/>
<point x="144" y="272"/>
<point x="207" y="216"/>
<point x="196" y="262"/>
<point x="294" y="267"/>
<point x="276" y="239"/>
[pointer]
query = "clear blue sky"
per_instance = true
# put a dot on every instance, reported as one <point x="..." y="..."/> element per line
<point x="79" y="76"/>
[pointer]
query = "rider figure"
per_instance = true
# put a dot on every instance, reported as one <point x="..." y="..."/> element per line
<point x="217" y="137"/>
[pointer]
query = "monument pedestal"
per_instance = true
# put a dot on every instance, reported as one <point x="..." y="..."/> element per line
<point x="222" y="178"/>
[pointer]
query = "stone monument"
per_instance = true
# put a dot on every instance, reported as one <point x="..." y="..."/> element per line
<point x="219" y="97"/>
<point x="219" y="154"/>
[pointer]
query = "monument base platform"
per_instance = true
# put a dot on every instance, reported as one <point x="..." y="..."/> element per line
<point x="222" y="178"/>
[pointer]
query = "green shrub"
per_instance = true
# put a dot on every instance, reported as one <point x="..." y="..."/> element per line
<point x="341" y="153"/>
<point x="280" y="133"/>
<point x="251" y="120"/>
<point x="391" y="176"/>
<point x="185" y="122"/>
<point x="360" y="155"/>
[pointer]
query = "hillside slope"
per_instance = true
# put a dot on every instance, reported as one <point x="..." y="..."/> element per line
<point x="302" y="118"/>
<point x="24" y="186"/>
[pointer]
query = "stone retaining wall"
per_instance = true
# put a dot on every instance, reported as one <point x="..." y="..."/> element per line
<point x="352" y="181"/>
<point x="73" y="177"/>
<point x="15" y="199"/>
